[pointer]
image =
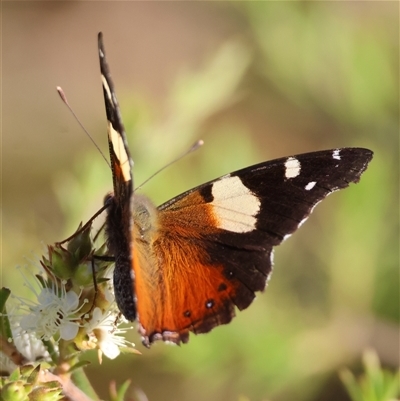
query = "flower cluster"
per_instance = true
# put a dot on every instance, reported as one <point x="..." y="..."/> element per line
<point x="70" y="307"/>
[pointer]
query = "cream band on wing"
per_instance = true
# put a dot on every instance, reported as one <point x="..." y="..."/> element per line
<point x="106" y="87"/>
<point x="120" y="152"/>
<point x="234" y="205"/>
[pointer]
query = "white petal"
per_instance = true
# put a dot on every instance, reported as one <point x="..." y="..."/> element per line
<point x="97" y="315"/>
<point x="69" y="330"/>
<point x="46" y="297"/>
<point x="109" y="349"/>
<point x="109" y="296"/>
<point x="71" y="300"/>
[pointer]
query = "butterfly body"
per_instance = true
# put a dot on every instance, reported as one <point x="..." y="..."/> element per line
<point x="185" y="266"/>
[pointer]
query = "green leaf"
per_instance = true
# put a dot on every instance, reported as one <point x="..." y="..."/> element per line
<point x="376" y="384"/>
<point x="4" y="294"/>
<point x="122" y="390"/>
<point x="5" y="328"/>
<point x="80" y="364"/>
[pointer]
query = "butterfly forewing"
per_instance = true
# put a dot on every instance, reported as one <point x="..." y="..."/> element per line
<point x="185" y="266"/>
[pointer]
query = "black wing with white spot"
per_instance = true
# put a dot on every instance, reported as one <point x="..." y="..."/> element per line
<point x="256" y="208"/>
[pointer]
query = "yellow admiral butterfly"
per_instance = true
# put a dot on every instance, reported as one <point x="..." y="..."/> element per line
<point x="183" y="266"/>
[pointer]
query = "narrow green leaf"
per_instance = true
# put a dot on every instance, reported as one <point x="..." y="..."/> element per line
<point x="122" y="390"/>
<point x="5" y="327"/>
<point x="80" y="364"/>
<point x="4" y="294"/>
<point x="81" y="381"/>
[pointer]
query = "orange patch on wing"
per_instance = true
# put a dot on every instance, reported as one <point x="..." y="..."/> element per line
<point x="177" y="289"/>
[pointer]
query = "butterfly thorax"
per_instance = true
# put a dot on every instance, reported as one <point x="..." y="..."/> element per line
<point x="145" y="218"/>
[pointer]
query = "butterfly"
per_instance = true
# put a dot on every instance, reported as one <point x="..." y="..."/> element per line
<point x="186" y="265"/>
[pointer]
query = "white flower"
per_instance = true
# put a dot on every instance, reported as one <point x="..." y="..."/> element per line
<point x="107" y="336"/>
<point x="29" y="345"/>
<point x="26" y="343"/>
<point x="55" y="311"/>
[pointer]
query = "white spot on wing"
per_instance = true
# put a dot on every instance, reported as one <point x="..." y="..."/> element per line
<point x="310" y="185"/>
<point x="234" y="205"/>
<point x="292" y="167"/>
<point x="336" y="154"/>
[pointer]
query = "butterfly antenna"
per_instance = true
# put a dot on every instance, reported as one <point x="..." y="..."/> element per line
<point x="193" y="148"/>
<point x="65" y="100"/>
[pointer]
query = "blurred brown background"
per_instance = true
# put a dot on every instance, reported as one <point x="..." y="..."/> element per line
<point x="256" y="81"/>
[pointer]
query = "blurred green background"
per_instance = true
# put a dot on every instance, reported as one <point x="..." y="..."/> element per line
<point x="256" y="81"/>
